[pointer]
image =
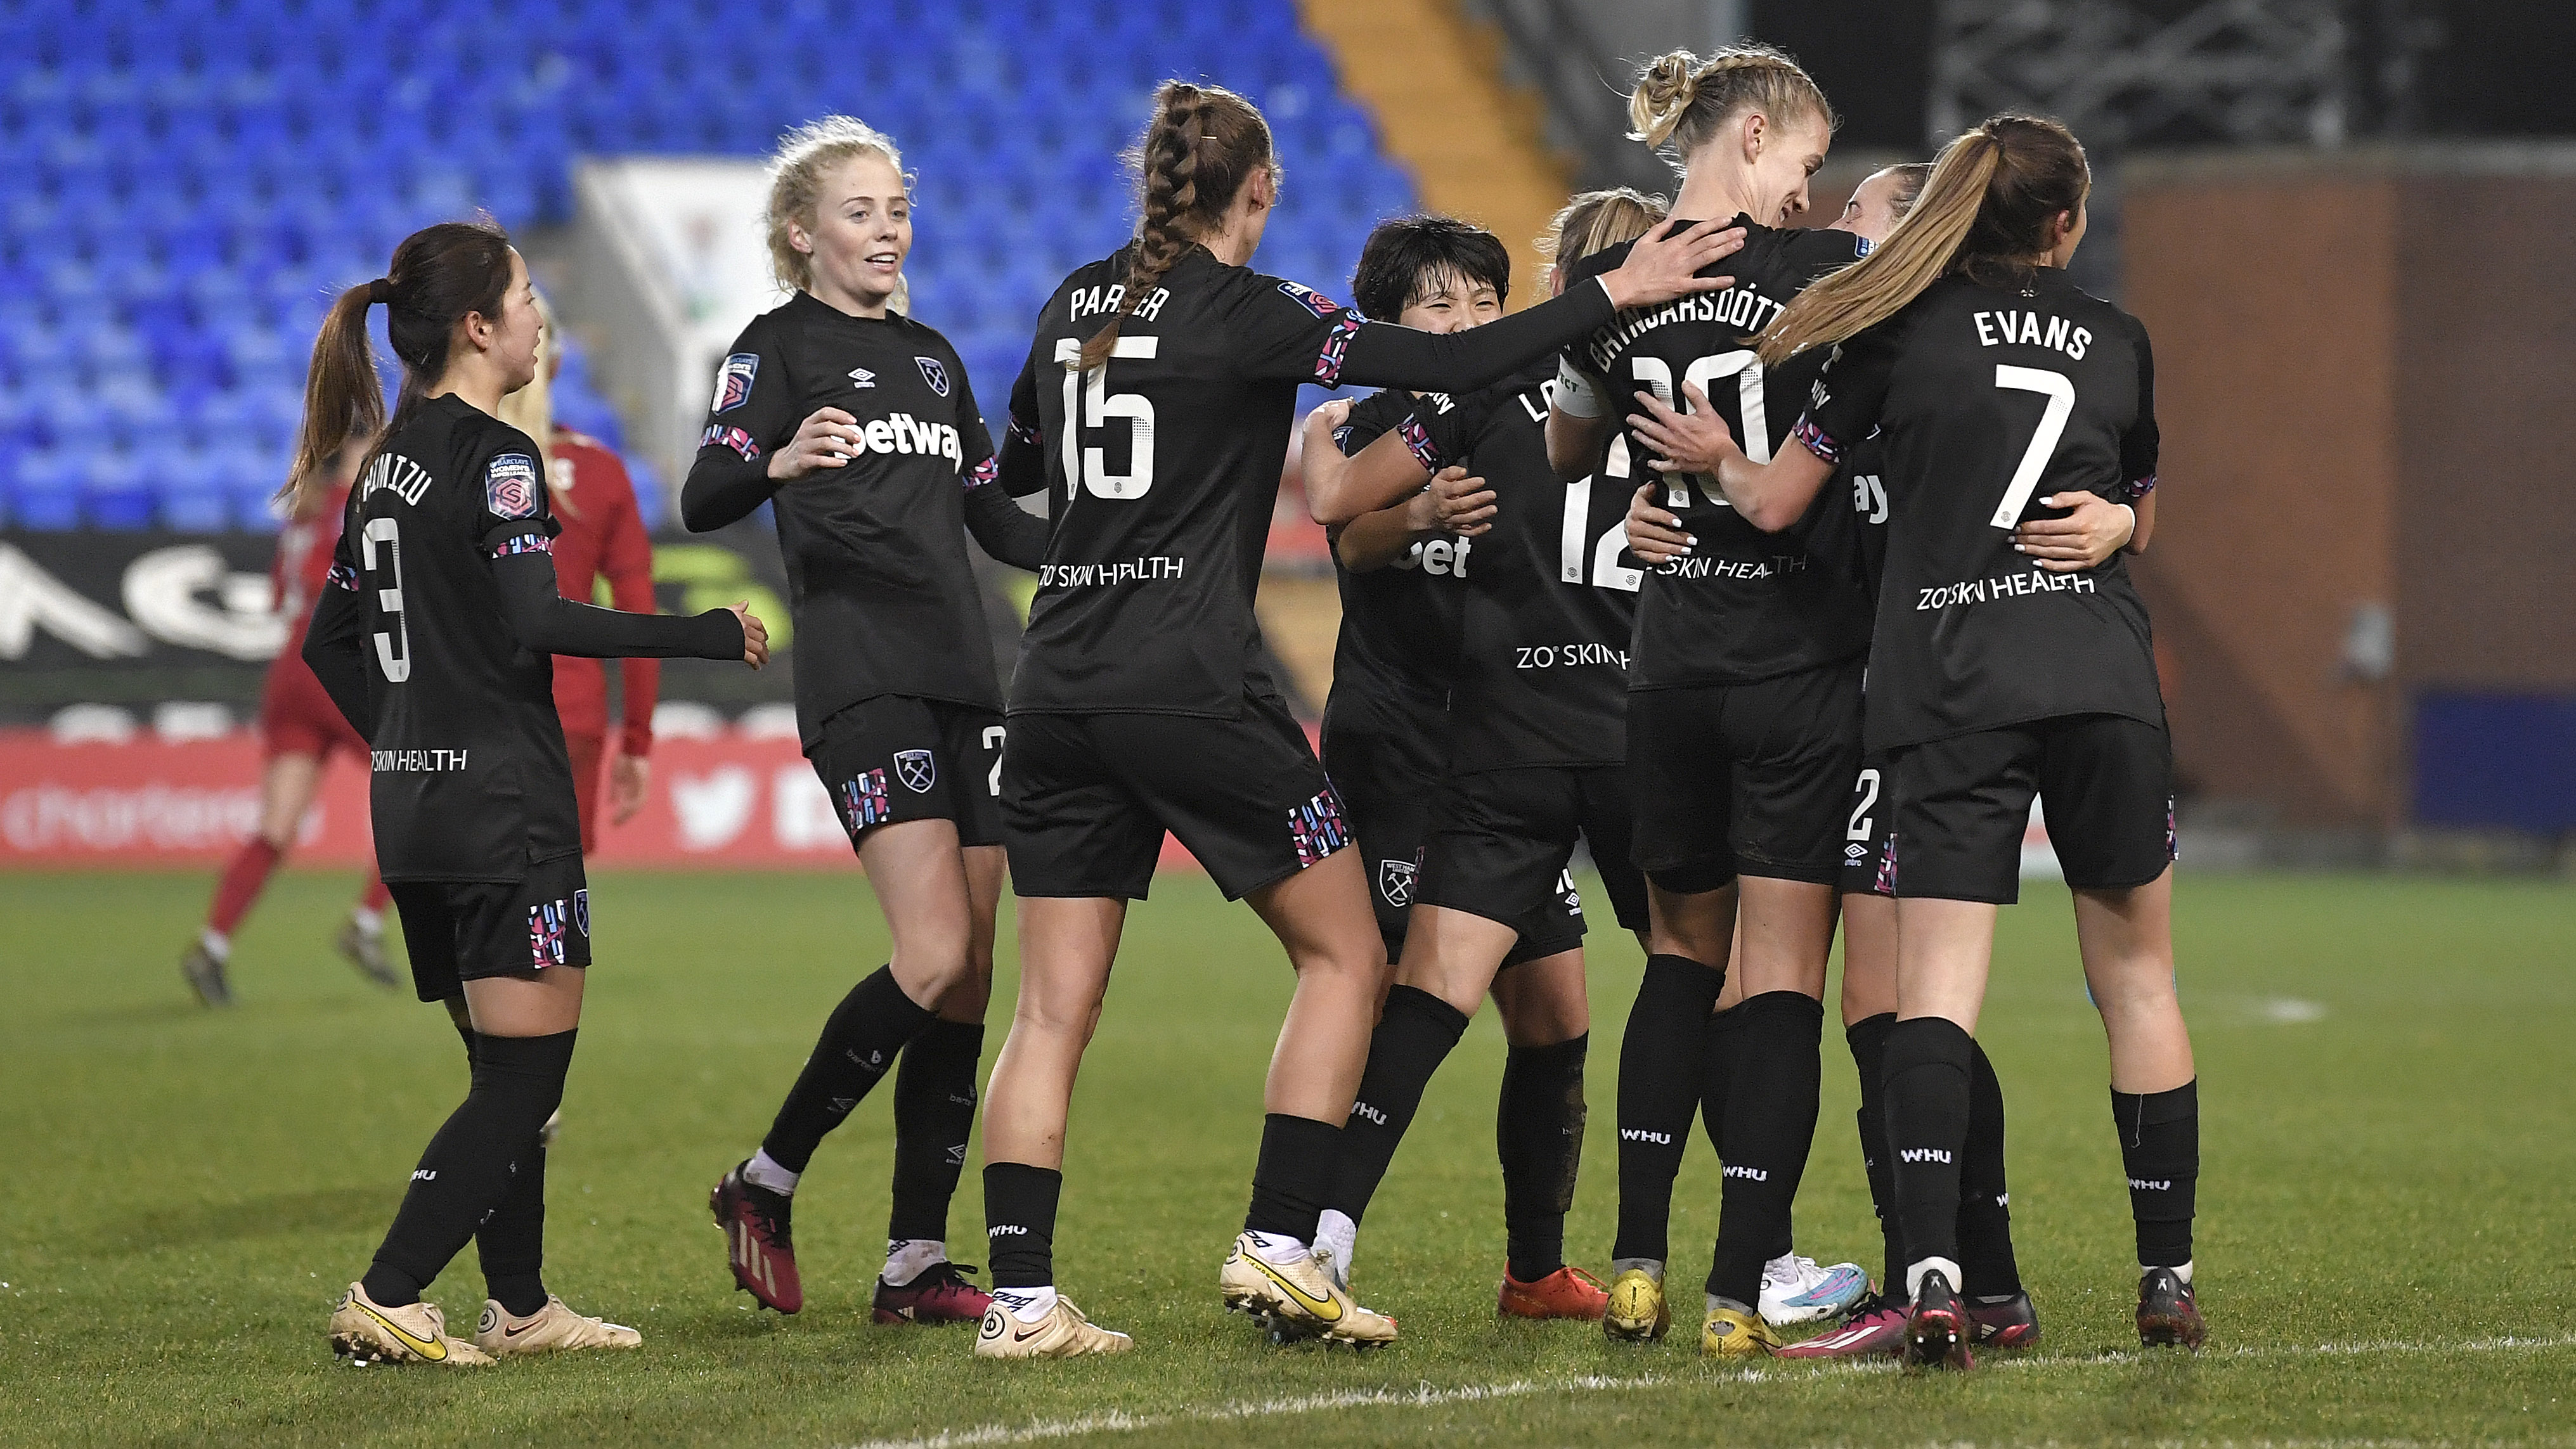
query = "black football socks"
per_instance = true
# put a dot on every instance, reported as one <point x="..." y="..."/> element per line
<point x="1985" y="1202"/>
<point x="2160" y="1146"/>
<point x="466" y="1171"/>
<point x="934" y="1112"/>
<point x="1867" y="1038"/>
<point x="1300" y="1160"/>
<point x="1659" y="1086"/>
<point x="1415" y="1034"/>
<point x="1019" y="1218"/>
<point x="1538" y="1134"/>
<point x="858" y="1045"/>
<point x="1770" y="1128"/>
<point x="1928" y="1062"/>
<point x="512" y="1242"/>
<point x="1717" y="1063"/>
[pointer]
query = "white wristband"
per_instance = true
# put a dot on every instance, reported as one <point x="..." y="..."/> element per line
<point x="2133" y="525"/>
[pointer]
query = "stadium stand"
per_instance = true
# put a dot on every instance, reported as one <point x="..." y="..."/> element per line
<point x="186" y="183"/>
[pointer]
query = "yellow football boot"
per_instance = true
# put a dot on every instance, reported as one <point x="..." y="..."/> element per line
<point x="1732" y="1333"/>
<point x="1298" y="1299"/>
<point x="1637" y="1312"/>
<point x="364" y="1332"/>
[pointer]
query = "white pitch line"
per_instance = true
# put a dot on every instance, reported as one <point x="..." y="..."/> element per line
<point x="1425" y="1396"/>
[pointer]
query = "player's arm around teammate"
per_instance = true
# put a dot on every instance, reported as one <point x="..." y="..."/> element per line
<point x="859" y="425"/>
<point x="433" y="637"/>
<point x="1134" y="709"/>
<point x="2044" y="687"/>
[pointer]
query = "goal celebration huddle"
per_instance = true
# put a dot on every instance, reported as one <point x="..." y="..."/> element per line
<point x="1779" y="569"/>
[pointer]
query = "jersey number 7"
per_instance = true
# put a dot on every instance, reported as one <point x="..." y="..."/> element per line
<point x="1088" y="403"/>
<point x="2059" y="389"/>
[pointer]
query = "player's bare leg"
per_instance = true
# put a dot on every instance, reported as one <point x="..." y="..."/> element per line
<point x="287" y="784"/>
<point x="1067" y="946"/>
<point x="2127" y="939"/>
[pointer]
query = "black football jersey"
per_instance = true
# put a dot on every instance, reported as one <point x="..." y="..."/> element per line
<point x="884" y="598"/>
<point x="1985" y="399"/>
<point x="1163" y="470"/>
<point x="1543" y="653"/>
<point x="470" y="779"/>
<point x="1398" y="645"/>
<point x="1745" y="605"/>
<point x="1852" y="533"/>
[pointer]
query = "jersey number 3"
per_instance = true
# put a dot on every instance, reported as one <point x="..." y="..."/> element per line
<point x="1088" y="403"/>
<point x="395" y="658"/>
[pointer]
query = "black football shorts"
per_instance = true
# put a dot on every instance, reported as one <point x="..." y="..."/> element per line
<point x="1962" y="806"/>
<point x="460" y="931"/>
<point x="1750" y="779"/>
<point x="1869" y="848"/>
<point x="1386" y="795"/>
<point x="898" y="757"/>
<point x="1500" y="840"/>
<point x="1086" y="799"/>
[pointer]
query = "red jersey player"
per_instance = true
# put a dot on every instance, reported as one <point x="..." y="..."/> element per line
<point x="299" y="730"/>
<point x="603" y="535"/>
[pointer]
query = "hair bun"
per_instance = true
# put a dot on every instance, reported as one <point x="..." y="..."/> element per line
<point x="1665" y="89"/>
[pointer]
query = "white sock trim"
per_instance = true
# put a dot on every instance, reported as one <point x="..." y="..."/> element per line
<point x="909" y="1258"/>
<point x="1028" y="1305"/>
<point x="763" y="1171"/>
<point x="369" y="922"/>
<point x="1914" y="1275"/>
<point x="217" y="944"/>
<point x="1278" y="1249"/>
<point x="2183" y="1272"/>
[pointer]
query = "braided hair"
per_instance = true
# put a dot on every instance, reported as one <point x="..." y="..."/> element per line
<point x="1682" y="102"/>
<point x="1202" y="145"/>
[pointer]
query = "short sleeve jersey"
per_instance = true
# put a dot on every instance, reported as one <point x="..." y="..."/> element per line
<point x="1987" y="399"/>
<point x="884" y="598"/>
<point x="1543" y="651"/>
<point x="1163" y="468"/>
<point x="1398" y="645"/>
<point x="470" y="778"/>
<point x="1746" y="605"/>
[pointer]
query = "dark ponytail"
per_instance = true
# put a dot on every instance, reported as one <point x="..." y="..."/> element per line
<point x="1202" y="145"/>
<point x="439" y="274"/>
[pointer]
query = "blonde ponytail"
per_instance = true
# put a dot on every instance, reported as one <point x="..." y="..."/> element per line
<point x="1986" y="210"/>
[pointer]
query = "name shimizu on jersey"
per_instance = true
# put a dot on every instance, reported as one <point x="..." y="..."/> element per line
<point x="902" y="433"/>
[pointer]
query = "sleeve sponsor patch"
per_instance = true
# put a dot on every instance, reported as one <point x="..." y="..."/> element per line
<point x="523" y="543"/>
<point x="734" y="438"/>
<point x="1310" y="299"/>
<point x="733" y="381"/>
<point x="510" y="486"/>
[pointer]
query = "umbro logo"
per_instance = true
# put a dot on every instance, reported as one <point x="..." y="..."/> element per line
<point x="957" y="1155"/>
<point x="861" y="377"/>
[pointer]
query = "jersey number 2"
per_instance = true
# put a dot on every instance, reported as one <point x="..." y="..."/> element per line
<point x="1088" y="403"/>
<point x="396" y="660"/>
<point x="2059" y="389"/>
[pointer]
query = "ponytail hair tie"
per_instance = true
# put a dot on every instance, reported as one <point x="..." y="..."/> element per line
<point x="380" y="290"/>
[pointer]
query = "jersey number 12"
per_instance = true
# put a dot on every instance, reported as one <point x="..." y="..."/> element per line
<point x="1088" y="403"/>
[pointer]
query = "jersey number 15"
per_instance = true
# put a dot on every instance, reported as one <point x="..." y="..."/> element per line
<point x="1088" y="403"/>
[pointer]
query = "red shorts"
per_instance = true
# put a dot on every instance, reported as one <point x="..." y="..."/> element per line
<point x="297" y="717"/>
<point x="588" y="753"/>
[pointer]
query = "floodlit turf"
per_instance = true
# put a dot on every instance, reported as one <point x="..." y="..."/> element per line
<point x="2384" y="1247"/>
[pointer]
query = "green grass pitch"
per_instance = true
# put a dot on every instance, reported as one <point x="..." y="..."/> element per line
<point x="2385" y="1236"/>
